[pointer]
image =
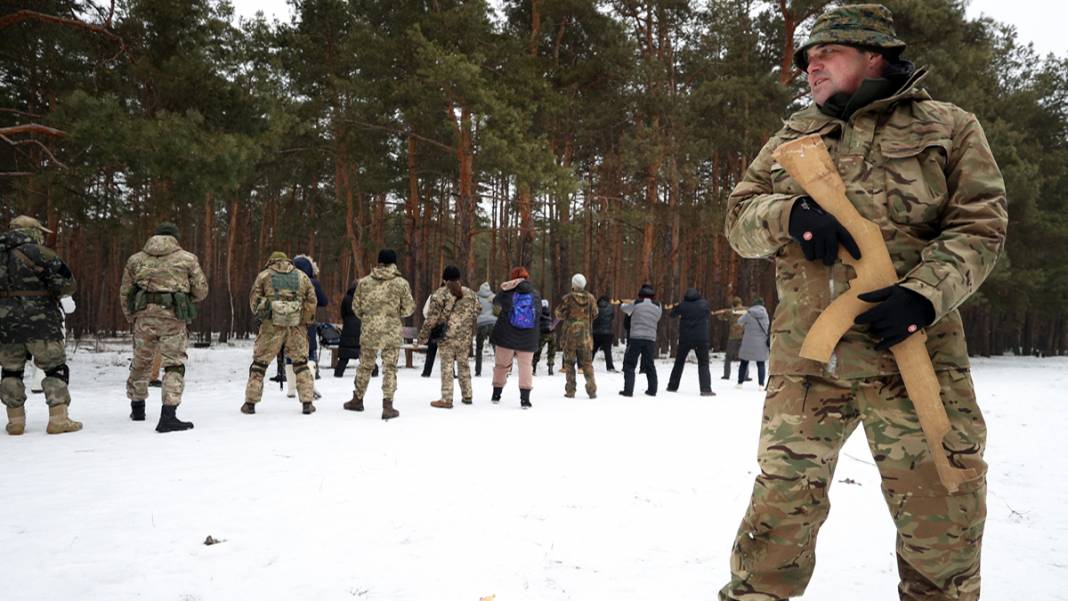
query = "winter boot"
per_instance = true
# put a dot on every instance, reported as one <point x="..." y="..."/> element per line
<point x="524" y="398"/>
<point x="550" y="369"/>
<point x="291" y="381"/>
<point x="466" y="401"/>
<point x="137" y="411"/>
<point x="356" y="404"/>
<point x="441" y="404"/>
<point x="169" y="422"/>
<point x="16" y="420"/>
<point x="248" y="408"/>
<point x="569" y="394"/>
<point x="307" y="408"/>
<point x="388" y="412"/>
<point x="59" y="422"/>
<point x="497" y="390"/>
<point x="707" y="393"/>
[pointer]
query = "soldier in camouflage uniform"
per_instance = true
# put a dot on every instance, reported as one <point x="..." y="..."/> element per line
<point x="381" y="301"/>
<point x="576" y="312"/>
<point x="457" y="307"/>
<point x="923" y="172"/>
<point x="159" y="286"/>
<point x="734" y="334"/>
<point x="283" y="299"/>
<point x="32" y="280"/>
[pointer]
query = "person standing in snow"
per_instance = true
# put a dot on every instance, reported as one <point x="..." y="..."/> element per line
<point x="283" y="299"/>
<point x="546" y="339"/>
<point x="381" y="301"/>
<point x="349" y="346"/>
<point x="32" y="277"/>
<point x="641" y="344"/>
<point x="307" y="265"/>
<point x="576" y="312"/>
<point x="734" y="333"/>
<point x="603" y="335"/>
<point x="160" y="286"/>
<point x="453" y="308"/>
<point x="432" y="340"/>
<point x="693" y="314"/>
<point x="515" y="335"/>
<point x="755" y="346"/>
<point x="486" y="320"/>
<point x="923" y="173"/>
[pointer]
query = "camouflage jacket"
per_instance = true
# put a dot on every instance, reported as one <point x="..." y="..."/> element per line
<point x="736" y="329"/>
<point x="381" y="301"/>
<point x="576" y="312"/>
<point x="26" y="265"/>
<point x="162" y="266"/>
<point x="458" y="315"/>
<point x="263" y="291"/>
<point x="923" y="172"/>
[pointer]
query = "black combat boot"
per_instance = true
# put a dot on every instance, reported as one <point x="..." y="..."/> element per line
<point x="169" y="422"/>
<point x="524" y="398"/>
<point x="137" y="411"/>
<point x="307" y="408"/>
<point x="496" y="398"/>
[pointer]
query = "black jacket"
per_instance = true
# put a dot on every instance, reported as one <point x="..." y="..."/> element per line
<point x="602" y="324"/>
<point x="693" y="312"/>
<point x="349" y="347"/>
<point x="504" y="334"/>
<point x="546" y="320"/>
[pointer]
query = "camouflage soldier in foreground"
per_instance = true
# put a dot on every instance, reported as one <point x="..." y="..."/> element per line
<point x="284" y="301"/>
<point x="32" y="280"/>
<point x="576" y="312"/>
<point x="456" y="306"/>
<point x="923" y="172"/>
<point x="160" y="285"/>
<point x="381" y="301"/>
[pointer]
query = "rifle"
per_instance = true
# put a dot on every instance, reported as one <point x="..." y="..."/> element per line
<point x="809" y="163"/>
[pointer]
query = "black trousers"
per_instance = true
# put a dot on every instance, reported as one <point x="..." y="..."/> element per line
<point x="481" y="335"/>
<point x="343" y="362"/>
<point x="743" y="371"/>
<point x="703" y="376"/>
<point x="431" y="354"/>
<point x="604" y="342"/>
<point x="646" y="351"/>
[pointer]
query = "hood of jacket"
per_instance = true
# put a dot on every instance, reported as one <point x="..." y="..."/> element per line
<point x="484" y="291"/>
<point x="518" y="284"/>
<point x="305" y="264"/>
<point x="159" y="246"/>
<point x="758" y="312"/>
<point x="385" y="272"/>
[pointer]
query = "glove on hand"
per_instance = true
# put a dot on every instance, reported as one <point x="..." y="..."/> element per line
<point x="819" y="233"/>
<point x="900" y="313"/>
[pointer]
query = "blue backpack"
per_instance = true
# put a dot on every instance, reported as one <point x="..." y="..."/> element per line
<point x="523" y="316"/>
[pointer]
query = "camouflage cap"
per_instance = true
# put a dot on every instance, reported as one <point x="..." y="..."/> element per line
<point x="277" y="256"/>
<point x="25" y="222"/>
<point x="869" y="25"/>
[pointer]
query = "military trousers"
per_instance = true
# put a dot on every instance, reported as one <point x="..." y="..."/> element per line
<point x="546" y="339"/>
<point x="583" y="358"/>
<point x="805" y="423"/>
<point x="454" y="356"/>
<point x="163" y="337"/>
<point x="368" y="356"/>
<point x="48" y="356"/>
<point x="269" y="341"/>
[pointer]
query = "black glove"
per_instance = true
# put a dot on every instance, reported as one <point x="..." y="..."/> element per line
<point x="900" y="313"/>
<point x="819" y="233"/>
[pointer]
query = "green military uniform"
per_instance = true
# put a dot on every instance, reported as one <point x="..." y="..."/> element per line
<point x="381" y="300"/>
<point x="576" y="312"/>
<point x="159" y="285"/>
<point x="32" y="280"/>
<point x="458" y="315"/>
<point x="923" y="172"/>
<point x="283" y="299"/>
<point x="734" y="334"/>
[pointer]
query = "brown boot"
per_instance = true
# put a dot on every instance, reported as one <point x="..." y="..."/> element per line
<point x="16" y="420"/>
<point x="59" y="422"/>
<point x="249" y="408"/>
<point x="307" y="408"/>
<point x="441" y="404"/>
<point x="356" y="404"/>
<point x="388" y="412"/>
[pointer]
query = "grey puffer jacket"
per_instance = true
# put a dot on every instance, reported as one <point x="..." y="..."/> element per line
<point x="755" y="339"/>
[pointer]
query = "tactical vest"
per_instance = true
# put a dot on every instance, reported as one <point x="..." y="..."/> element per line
<point x="286" y="305"/>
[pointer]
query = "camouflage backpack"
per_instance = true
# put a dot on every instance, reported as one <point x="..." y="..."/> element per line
<point x="285" y="306"/>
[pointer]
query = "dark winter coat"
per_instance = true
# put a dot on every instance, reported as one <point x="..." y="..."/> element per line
<point x="304" y="264"/>
<point x="29" y="266"/>
<point x="693" y="314"/>
<point x="546" y="320"/>
<point x="349" y="347"/>
<point x="755" y="339"/>
<point x="504" y="334"/>
<point x="602" y="324"/>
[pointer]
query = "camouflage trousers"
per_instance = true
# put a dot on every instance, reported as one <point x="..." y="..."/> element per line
<point x="48" y="356"/>
<point x="583" y="357"/>
<point x="368" y="356"/>
<point x="168" y="339"/>
<point x="450" y="354"/>
<point x="805" y="424"/>
<point x="269" y="341"/>
<point x="545" y="340"/>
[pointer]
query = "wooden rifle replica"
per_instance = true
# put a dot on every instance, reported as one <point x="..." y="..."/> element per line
<point x="809" y="163"/>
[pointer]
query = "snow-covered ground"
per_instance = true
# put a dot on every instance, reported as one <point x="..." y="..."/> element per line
<point x="613" y="498"/>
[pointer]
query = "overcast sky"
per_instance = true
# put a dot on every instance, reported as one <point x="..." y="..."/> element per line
<point x="1038" y="21"/>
